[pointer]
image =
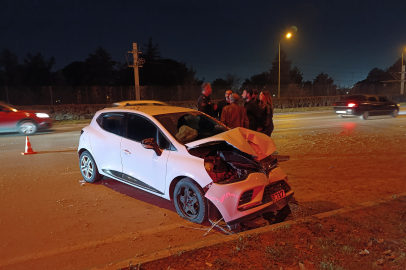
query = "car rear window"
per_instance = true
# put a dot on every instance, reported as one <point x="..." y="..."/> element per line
<point x="111" y="122"/>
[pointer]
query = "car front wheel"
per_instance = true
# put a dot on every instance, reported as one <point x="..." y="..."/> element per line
<point x="190" y="202"/>
<point x="27" y="127"/>
<point x="364" y="116"/>
<point x="88" y="168"/>
<point x="394" y="113"/>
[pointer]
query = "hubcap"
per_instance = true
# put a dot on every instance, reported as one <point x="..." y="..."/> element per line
<point x="86" y="167"/>
<point x="188" y="202"/>
<point x="28" y="128"/>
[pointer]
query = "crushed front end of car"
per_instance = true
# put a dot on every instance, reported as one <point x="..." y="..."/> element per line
<point x="247" y="181"/>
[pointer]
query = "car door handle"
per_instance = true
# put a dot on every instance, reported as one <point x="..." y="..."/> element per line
<point x="126" y="152"/>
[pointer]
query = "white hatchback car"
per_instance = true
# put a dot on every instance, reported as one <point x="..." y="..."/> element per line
<point x="183" y="155"/>
<point x="139" y="103"/>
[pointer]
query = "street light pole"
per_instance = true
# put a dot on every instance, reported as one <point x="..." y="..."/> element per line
<point x="288" y="35"/>
<point x="402" y="78"/>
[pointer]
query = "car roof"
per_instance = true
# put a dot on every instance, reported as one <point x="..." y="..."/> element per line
<point x="150" y="110"/>
<point x="134" y="102"/>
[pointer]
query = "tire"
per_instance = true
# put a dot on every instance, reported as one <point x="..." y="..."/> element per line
<point x="340" y="115"/>
<point x="27" y="127"/>
<point x="190" y="202"/>
<point x="364" y="116"/>
<point x="394" y="113"/>
<point x="88" y="168"/>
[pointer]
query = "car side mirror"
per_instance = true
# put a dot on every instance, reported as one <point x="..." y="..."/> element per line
<point x="151" y="144"/>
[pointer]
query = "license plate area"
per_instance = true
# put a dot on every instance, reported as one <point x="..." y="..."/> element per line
<point x="277" y="196"/>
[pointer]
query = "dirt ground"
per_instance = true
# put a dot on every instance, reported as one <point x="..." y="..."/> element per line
<point x="371" y="238"/>
<point x="50" y="220"/>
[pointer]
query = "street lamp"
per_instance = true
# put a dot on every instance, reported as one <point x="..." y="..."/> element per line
<point x="288" y="35"/>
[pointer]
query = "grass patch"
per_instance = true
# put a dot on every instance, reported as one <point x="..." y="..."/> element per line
<point x="282" y="253"/>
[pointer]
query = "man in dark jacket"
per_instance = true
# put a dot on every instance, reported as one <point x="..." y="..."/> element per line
<point x="253" y="109"/>
<point x="234" y="115"/>
<point x="255" y="96"/>
<point x="204" y="104"/>
<point x="222" y="103"/>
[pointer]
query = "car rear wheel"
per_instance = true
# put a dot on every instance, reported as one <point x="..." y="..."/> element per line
<point x="364" y="116"/>
<point x="394" y="113"/>
<point x="88" y="168"/>
<point x="27" y="127"/>
<point x="190" y="202"/>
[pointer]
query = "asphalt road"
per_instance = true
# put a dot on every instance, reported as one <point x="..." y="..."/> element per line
<point x="50" y="219"/>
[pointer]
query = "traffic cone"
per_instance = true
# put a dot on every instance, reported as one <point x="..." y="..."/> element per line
<point x="28" y="149"/>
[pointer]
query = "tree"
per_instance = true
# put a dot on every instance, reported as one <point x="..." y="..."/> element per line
<point x="99" y="68"/>
<point x="220" y="82"/>
<point x="152" y="52"/>
<point x="258" y="79"/>
<point x="37" y="71"/>
<point x="323" y="85"/>
<point x="285" y="70"/>
<point x="73" y="73"/>
<point x="10" y="71"/>
<point x="295" y="76"/>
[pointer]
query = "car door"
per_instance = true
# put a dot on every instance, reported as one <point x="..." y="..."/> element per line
<point x="384" y="105"/>
<point x="373" y="105"/>
<point x="105" y="142"/>
<point x="143" y="167"/>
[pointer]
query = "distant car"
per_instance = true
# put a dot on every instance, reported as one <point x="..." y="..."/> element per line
<point x="186" y="156"/>
<point x="365" y="106"/>
<point x="139" y="103"/>
<point x="26" y="122"/>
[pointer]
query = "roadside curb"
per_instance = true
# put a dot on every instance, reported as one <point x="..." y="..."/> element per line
<point x="227" y="238"/>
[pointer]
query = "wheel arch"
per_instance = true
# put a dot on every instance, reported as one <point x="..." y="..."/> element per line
<point x="176" y="180"/>
<point x="25" y="119"/>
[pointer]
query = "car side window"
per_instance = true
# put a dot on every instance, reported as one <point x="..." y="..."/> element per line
<point x="140" y="128"/>
<point x="383" y="99"/>
<point x="111" y="122"/>
<point x="372" y="99"/>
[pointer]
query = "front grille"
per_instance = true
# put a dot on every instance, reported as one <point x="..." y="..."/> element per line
<point x="272" y="188"/>
<point x="246" y="197"/>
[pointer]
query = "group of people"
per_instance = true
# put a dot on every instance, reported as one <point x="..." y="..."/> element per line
<point x="256" y="114"/>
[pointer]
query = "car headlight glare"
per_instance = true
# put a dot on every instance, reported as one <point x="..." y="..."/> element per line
<point x="42" y="115"/>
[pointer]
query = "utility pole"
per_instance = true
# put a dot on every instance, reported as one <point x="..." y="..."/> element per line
<point x="402" y="78"/>
<point x="137" y="63"/>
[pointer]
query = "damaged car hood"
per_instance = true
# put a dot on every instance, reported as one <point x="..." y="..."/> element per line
<point x="251" y="142"/>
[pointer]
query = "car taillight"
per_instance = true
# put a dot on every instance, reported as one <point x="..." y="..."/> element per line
<point x="351" y="105"/>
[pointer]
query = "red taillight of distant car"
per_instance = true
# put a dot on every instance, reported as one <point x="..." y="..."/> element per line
<point x="351" y="105"/>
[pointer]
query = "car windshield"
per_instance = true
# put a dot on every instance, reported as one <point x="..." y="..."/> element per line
<point x="190" y="126"/>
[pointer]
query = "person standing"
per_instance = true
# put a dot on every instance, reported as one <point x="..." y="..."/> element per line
<point x="266" y="126"/>
<point x="222" y="103"/>
<point x="255" y="95"/>
<point x="253" y="109"/>
<point x="204" y="104"/>
<point x="234" y="115"/>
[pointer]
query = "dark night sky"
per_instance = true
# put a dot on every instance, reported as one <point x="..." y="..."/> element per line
<point x="344" y="39"/>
